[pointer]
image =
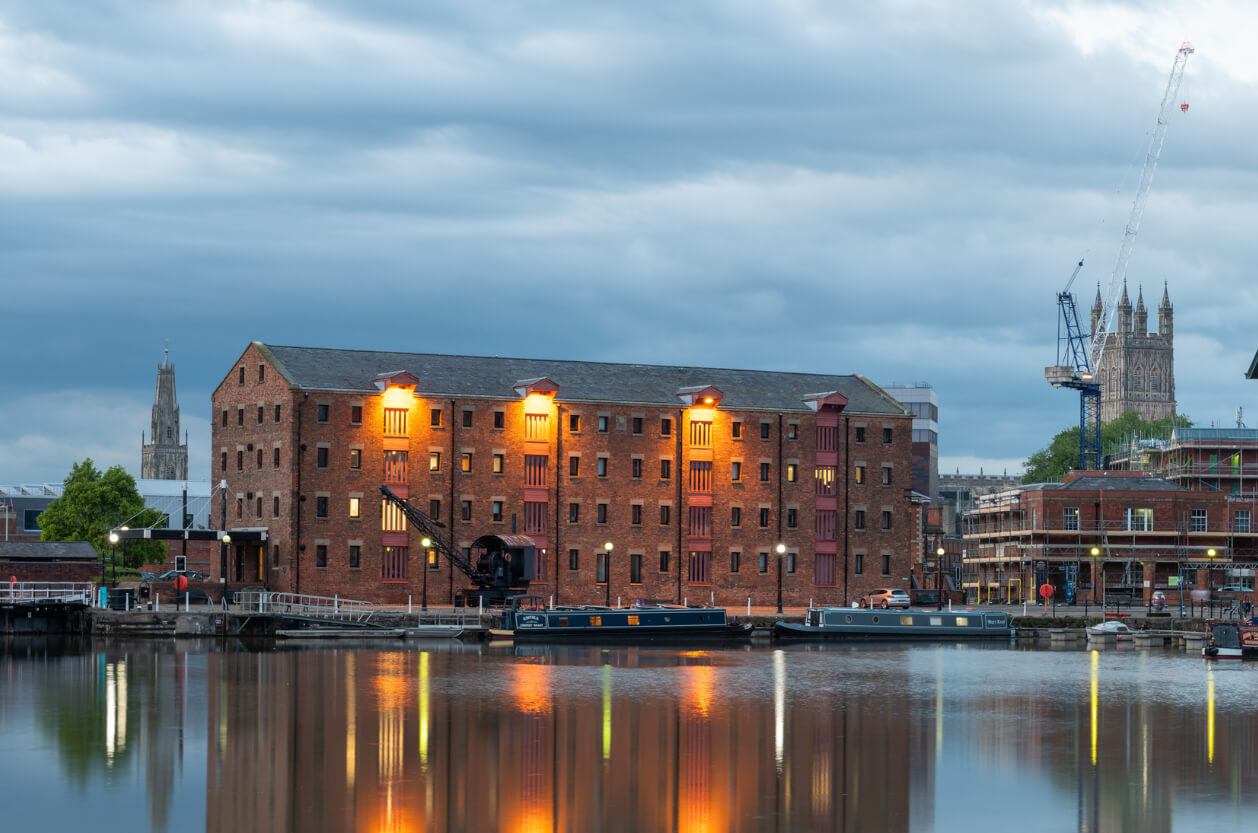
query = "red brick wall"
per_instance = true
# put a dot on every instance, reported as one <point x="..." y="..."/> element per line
<point x="619" y="490"/>
<point x="49" y="571"/>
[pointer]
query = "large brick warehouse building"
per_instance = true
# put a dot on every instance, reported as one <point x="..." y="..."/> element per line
<point x="695" y="475"/>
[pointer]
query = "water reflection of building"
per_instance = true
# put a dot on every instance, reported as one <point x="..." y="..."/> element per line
<point x="575" y="740"/>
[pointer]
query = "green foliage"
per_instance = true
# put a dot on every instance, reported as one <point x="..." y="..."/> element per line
<point x="1050" y="464"/>
<point x="92" y="503"/>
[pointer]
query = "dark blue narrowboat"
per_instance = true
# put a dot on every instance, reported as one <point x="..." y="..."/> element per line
<point x="899" y="625"/>
<point x="529" y="620"/>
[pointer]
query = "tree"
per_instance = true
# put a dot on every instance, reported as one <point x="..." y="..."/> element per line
<point x="1050" y="464"/>
<point x="91" y="504"/>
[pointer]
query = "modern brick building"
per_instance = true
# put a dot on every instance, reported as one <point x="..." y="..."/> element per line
<point x="1144" y="529"/>
<point x="695" y="475"/>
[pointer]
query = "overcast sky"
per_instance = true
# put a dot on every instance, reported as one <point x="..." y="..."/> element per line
<point x="896" y="189"/>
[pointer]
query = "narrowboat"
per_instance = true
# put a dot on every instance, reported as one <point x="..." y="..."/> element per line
<point x="904" y="625"/>
<point x="1225" y="640"/>
<point x="530" y="620"/>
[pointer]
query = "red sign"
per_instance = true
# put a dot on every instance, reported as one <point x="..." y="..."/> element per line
<point x="1046" y="591"/>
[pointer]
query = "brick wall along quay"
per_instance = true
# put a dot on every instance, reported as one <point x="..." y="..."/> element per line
<point x="693" y="474"/>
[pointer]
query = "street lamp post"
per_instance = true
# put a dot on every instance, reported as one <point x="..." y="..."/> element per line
<point x="781" y="548"/>
<point x="113" y="557"/>
<point x="425" y="543"/>
<point x="607" y="570"/>
<point x="939" y="554"/>
<point x="1210" y="578"/>
<point x="1096" y="562"/>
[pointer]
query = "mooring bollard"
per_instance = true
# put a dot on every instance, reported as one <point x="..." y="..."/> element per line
<point x="480" y="605"/>
<point x="749" y="605"/>
<point x="408" y="606"/>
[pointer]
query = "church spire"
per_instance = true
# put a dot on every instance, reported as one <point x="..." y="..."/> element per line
<point x="1141" y="323"/>
<point x="1097" y="308"/>
<point x="165" y="458"/>
<point x="1124" y="311"/>
<point x="1166" y="315"/>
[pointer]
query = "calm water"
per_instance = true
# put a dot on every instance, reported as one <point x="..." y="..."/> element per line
<point x="197" y="736"/>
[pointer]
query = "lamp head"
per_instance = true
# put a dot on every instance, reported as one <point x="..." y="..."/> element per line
<point x="608" y="546"/>
<point x="781" y="548"/>
<point x="426" y="543"/>
<point x="113" y="537"/>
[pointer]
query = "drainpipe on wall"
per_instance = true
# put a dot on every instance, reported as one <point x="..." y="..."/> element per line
<point x="556" y="546"/>
<point x="298" y="546"/>
<point x="453" y="541"/>
<point x="847" y="521"/>
<point x="677" y="473"/>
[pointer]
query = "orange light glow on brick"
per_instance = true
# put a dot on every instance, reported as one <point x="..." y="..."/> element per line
<point x="537" y="403"/>
<point x="397" y="397"/>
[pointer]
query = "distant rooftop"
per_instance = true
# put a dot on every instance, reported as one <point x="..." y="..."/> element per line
<point x="1188" y="435"/>
<point x="29" y="490"/>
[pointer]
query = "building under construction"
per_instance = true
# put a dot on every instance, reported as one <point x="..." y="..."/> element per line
<point x="1108" y="535"/>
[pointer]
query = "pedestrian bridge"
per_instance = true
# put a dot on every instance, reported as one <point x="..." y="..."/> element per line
<point x="47" y="592"/>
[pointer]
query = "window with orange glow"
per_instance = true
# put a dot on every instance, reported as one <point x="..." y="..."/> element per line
<point x="535" y="426"/>
<point x="395" y="422"/>
<point x="824" y="476"/>
<point x="700" y="434"/>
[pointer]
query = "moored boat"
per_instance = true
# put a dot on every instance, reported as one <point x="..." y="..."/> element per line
<point x="907" y="625"/>
<point x="1225" y="640"/>
<point x="528" y="619"/>
<point x="1111" y="630"/>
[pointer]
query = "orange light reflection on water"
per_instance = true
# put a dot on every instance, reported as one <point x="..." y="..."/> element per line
<point x="530" y="687"/>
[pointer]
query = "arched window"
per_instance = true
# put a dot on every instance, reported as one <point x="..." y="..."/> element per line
<point x="1138" y="384"/>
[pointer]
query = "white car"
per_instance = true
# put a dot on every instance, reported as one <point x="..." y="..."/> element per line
<point x="886" y="597"/>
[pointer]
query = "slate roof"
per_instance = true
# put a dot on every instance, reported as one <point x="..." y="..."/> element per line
<point x="47" y="551"/>
<point x="320" y="368"/>
<point x="1106" y="483"/>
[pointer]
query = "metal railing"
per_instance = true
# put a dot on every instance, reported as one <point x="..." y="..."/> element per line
<point x="449" y="619"/>
<point x="293" y="604"/>
<point x="27" y="592"/>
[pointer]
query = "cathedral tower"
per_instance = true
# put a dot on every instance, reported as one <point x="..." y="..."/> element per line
<point x="165" y="458"/>
<point x="1137" y="371"/>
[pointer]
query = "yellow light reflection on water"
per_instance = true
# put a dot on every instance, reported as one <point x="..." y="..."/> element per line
<point x="1096" y="670"/>
<point x="607" y="712"/>
<point x="1210" y="715"/>
<point x="779" y="710"/>
<point x="115" y="709"/>
<point x="351" y="720"/>
<point x="425" y="685"/>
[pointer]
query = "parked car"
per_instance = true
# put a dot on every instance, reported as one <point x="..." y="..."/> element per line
<point x="171" y="575"/>
<point x="886" y="597"/>
<point x="1233" y="588"/>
